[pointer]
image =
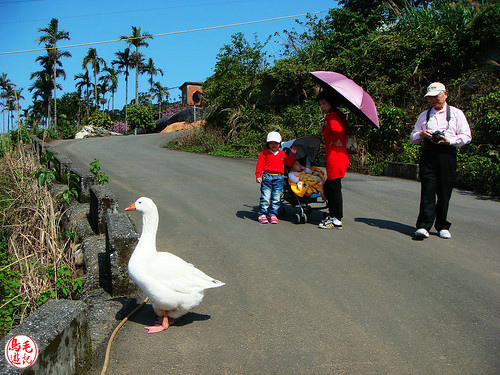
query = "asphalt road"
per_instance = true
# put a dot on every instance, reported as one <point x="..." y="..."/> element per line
<point x="299" y="300"/>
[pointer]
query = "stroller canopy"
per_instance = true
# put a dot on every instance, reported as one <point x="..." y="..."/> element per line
<point x="307" y="148"/>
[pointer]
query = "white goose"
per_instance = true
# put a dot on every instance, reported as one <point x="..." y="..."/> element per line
<point x="173" y="286"/>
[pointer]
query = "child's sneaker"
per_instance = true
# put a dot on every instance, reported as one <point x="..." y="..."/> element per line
<point x="263" y="219"/>
<point x="274" y="220"/>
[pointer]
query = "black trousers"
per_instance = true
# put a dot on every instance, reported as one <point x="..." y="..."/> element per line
<point x="333" y="193"/>
<point x="437" y="169"/>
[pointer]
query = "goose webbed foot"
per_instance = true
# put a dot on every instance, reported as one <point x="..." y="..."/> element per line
<point x="161" y="324"/>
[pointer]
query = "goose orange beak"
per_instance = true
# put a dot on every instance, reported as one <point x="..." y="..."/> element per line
<point x="131" y="207"/>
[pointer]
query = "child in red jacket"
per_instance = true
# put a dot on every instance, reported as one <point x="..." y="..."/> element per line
<point x="269" y="173"/>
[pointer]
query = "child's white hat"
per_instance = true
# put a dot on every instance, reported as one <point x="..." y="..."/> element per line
<point x="274" y="137"/>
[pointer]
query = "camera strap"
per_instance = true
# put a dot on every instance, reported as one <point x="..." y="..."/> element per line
<point x="448" y="116"/>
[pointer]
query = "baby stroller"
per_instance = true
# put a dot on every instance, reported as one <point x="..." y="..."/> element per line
<point x="307" y="152"/>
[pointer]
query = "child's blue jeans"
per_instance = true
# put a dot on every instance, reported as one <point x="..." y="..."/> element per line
<point x="271" y="189"/>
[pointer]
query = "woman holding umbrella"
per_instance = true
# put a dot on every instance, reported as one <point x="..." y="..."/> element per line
<point x="334" y="133"/>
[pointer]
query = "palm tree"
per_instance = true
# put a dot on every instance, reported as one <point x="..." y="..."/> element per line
<point x="26" y="115"/>
<point x="84" y="83"/>
<point x="111" y="79"/>
<point x="159" y="92"/>
<point x="17" y="96"/>
<point x="137" y="40"/>
<point x="8" y="102"/>
<point x="96" y="63"/>
<point x="50" y="63"/>
<point x="152" y="70"/>
<point x="124" y="62"/>
<point x="102" y="88"/>
<point x="11" y="97"/>
<point x="51" y="37"/>
<point x="4" y="84"/>
<point x="42" y="91"/>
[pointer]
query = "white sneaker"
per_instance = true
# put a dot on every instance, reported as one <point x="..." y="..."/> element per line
<point x="330" y="223"/>
<point x="337" y="223"/>
<point x="445" y="233"/>
<point x="422" y="233"/>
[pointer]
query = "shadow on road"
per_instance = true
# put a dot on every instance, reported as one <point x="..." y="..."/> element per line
<point x="407" y="230"/>
<point x="146" y="315"/>
<point x="478" y="196"/>
<point x="249" y="214"/>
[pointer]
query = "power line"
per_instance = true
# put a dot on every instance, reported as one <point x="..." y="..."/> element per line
<point x="18" y="1"/>
<point x="5" y="22"/>
<point x="163" y="34"/>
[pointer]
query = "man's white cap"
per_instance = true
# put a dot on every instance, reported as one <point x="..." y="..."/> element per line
<point x="274" y="137"/>
<point x="435" y="89"/>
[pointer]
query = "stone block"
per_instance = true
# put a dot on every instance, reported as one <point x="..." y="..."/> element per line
<point x="102" y="202"/>
<point x="37" y="144"/>
<point x="62" y="166"/>
<point x="75" y="218"/>
<point x="121" y="239"/>
<point x="87" y="180"/>
<point x="60" y="331"/>
<point x="96" y="266"/>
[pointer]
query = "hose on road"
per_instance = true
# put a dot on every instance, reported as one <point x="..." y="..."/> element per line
<point x="108" y="349"/>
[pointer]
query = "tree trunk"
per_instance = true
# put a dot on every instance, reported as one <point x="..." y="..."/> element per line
<point x="126" y="101"/>
<point x="136" y="84"/>
<point x="55" y="96"/>
<point x="137" y="76"/>
<point x="47" y="126"/>
<point x="95" y="90"/>
<point x="3" y="112"/>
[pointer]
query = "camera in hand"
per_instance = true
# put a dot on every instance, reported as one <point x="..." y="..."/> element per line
<point x="437" y="136"/>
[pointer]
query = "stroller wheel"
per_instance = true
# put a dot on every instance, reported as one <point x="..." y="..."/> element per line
<point x="304" y="218"/>
<point x="297" y="219"/>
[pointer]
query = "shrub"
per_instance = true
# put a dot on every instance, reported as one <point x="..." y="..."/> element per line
<point x="65" y="128"/>
<point x="303" y="119"/>
<point x="480" y="173"/>
<point x="19" y="135"/>
<point x="141" y="116"/>
<point x="99" y="119"/>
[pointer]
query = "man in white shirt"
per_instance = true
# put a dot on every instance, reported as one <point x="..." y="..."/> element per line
<point x="443" y="129"/>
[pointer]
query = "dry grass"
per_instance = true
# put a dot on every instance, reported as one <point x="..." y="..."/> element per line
<point x="30" y="218"/>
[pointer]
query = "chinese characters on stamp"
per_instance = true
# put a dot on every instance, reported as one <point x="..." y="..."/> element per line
<point x="21" y="351"/>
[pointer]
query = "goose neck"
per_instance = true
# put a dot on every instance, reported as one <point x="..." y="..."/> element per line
<point x="149" y="224"/>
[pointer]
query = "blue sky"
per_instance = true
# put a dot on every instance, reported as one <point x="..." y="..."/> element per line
<point x="182" y="57"/>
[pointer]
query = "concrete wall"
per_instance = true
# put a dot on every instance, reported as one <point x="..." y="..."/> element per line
<point x="402" y="170"/>
<point x="60" y="331"/>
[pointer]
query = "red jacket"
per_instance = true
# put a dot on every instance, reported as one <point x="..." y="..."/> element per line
<point x="337" y="158"/>
<point x="273" y="164"/>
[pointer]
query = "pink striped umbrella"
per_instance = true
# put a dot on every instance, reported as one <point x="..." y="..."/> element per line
<point x="350" y="93"/>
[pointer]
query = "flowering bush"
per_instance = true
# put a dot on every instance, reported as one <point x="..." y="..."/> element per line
<point x="118" y="127"/>
<point x="173" y="108"/>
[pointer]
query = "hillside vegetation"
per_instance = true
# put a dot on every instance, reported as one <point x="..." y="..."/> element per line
<point x="393" y="49"/>
<point x="36" y="255"/>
